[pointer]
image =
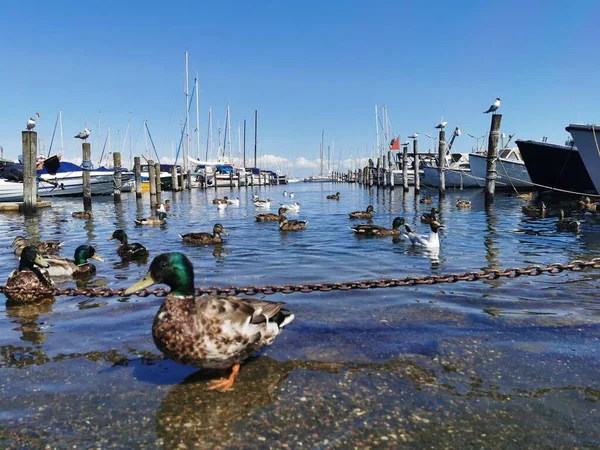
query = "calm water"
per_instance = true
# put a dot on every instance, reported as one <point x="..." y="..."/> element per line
<point x="489" y="364"/>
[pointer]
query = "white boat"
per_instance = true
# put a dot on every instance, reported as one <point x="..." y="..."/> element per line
<point x="587" y="139"/>
<point x="11" y="191"/>
<point x="510" y="168"/>
<point x="398" y="177"/>
<point x="293" y="180"/>
<point x="68" y="181"/>
<point x="457" y="173"/>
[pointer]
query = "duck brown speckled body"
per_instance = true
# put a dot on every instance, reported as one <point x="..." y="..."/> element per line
<point x="83" y="215"/>
<point x="206" y="238"/>
<point x="292" y="225"/>
<point x="377" y="230"/>
<point x="368" y="214"/>
<point x="127" y="250"/>
<point x="335" y="196"/>
<point x="429" y="217"/>
<point x="44" y="247"/>
<point x="463" y="203"/>
<point x="208" y="331"/>
<point x="567" y="224"/>
<point x="160" y="219"/>
<point x="29" y="279"/>
<point x="224" y="200"/>
<point x="535" y="211"/>
<point x="270" y="217"/>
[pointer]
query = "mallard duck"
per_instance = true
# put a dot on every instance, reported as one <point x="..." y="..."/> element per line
<point x="158" y="220"/>
<point x="377" y="230"/>
<point x="431" y="241"/>
<point x="335" y="196"/>
<point x="535" y="211"/>
<point x="168" y="204"/>
<point x="208" y="331"/>
<point x="291" y="225"/>
<point x="426" y="200"/>
<point x="83" y="215"/>
<point x="270" y="217"/>
<point x="568" y="224"/>
<point x="217" y="200"/>
<point x="526" y="196"/>
<point x="206" y="238"/>
<point x="586" y="205"/>
<point x="368" y="214"/>
<point x="44" y="247"/>
<point x="76" y="267"/>
<point x="295" y="207"/>
<point x="233" y="201"/>
<point x="429" y="217"/>
<point x="29" y="279"/>
<point x="126" y="250"/>
<point x="463" y="203"/>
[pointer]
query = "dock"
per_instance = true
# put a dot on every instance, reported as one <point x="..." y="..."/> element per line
<point x="18" y="206"/>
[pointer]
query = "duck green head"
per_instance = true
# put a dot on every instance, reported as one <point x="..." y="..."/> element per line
<point x="31" y="256"/>
<point x="119" y="235"/>
<point x="85" y="252"/>
<point x="173" y="269"/>
<point x="397" y="223"/>
<point x="161" y="215"/>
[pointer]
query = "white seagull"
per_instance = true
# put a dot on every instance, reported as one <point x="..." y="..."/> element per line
<point x="291" y="195"/>
<point x="431" y="241"/>
<point x="295" y="207"/>
<point x="413" y="136"/>
<point x="441" y="125"/>
<point x="494" y="107"/>
<point x="31" y="123"/>
<point x="285" y="193"/>
<point x="233" y="201"/>
<point x="83" y="135"/>
<point x="221" y="206"/>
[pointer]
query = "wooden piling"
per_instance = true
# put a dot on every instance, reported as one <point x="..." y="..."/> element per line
<point x="137" y="170"/>
<point x="492" y="157"/>
<point x="29" y="146"/>
<point x="405" y="168"/>
<point x="370" y="173"/>
<point x="181" y="180"/>
<point x="416" y="166"/>
<point x="158" y="183"/>
<point x="230" y="180"/>
<point x="442" y="162"/>
<point x="189" y="177"/>
<point x="174" y="179"/>
<point x="378" y="178"/>
<point x="117" y="176"/>
<point x="86" y="164"/>
<point x="384" y="170"/>
<point x="152" y="181"/>
<point x="390" y="167"/>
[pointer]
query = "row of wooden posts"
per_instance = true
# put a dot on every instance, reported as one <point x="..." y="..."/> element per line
<point x="380" y="174"/>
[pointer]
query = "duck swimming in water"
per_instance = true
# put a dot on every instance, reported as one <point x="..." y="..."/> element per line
<point x="270" y="217"/>
<point x="431" y="217"/>
<point x="44" y="247"/>
<point x="127" y="250"/>
<point x="377" y="230"/>
<point x="292" y="225"/>
<point x="368" y="214"/>
<point x="335" y="196"/>
<point x="29" y="280"/>
<point x="160" y="219"/>
<point x="79" y="266"/>
<point x="206" y="238"/>
<point x="208" y="331"/>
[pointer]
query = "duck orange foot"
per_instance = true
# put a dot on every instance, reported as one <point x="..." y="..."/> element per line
<point x="224" y="384"/>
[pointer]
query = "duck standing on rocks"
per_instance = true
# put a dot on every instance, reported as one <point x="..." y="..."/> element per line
<point x="28" y="280"/>
<point x="206" y="238"/>
<point x="208" y="331"/>
<point x="368" y="214"/>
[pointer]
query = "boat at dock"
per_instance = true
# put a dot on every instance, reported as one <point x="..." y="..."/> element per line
<point x="457" y="173"/>
<point x="510" y="168"/>
<point x="587" y="139"/>
<point x="553" y="166"/>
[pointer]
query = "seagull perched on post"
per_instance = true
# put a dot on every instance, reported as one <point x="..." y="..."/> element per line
<point x="413" y="136"/>
<point x="31" y="123"/>
<point x="441" y="125"/>
<point x="83" y="135"/>
<point x="494" y="107"/>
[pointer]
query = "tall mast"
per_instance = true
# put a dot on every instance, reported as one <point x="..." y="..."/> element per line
<point x="98" y="133"/>
<point x="146" y="142"/>
<point x="130" y="154"/>
<point x="321" y="155"/>
<point x="62" y="141"/>
<point x="244" y="143"/>
<point x="377" y="126"/>
<point x="197" y="117"/>
<point x="239" y="140"/>
<point x="229" y="131"/>
<point x="187" y="115"/>
<point x="219" y="151"/>
<point x="255" y="134"/>
<point x="109" y="145"/>
<point x="209" y="136"/>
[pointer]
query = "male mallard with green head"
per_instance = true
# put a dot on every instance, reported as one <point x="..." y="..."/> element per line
<point x="208" y="331"/>
<point x="83" y="215"/>
<point x="335" y="196"/>
<point x="270" y="217"/>
<point x="368" y="214"/>
<point x="291" y="225"/>
<point x="206" y="238"/>
<point x="44" y="247"/>
<point x="160" y="219"/>
<point x="378" y="230"/>
<point x="127" y="250"/>
<point x="429" y="217"/>
<point x="76" y="267"/>
<point x="29" y="279"/>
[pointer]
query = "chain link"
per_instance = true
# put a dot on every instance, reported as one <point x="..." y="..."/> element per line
<point x="512" y="272"/>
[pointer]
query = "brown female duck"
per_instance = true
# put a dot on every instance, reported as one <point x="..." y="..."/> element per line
<point x="44" y="247"/>
<point x="127" y="250"/>
<point x="368" y="214"/>
<point x="160" y="219"/>
<point x="29" y="279"/>
<point x="429" y="217"/>
<point x="206" y="238"/>
<point x="335" y="196"/>
<point x="377" y="230"/>
<point x="292" y="225"/>
<point x="208" y="331"/>
<point x="270" y="217"/>
<point x="83" y="215"/>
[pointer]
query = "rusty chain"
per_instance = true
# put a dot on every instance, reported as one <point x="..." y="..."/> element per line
<point x="513" y="272"/>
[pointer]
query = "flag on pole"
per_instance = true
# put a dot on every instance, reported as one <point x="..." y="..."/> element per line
<point x="395" y="144"/>
<point x="38" y="115"/>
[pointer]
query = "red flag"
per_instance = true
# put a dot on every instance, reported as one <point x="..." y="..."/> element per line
<point x="395" y="144"/>
<point x="38" y="115"/>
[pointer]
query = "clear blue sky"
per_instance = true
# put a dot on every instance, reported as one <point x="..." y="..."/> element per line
<point x="306" y="66"/>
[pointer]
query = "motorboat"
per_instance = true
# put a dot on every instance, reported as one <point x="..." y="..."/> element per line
<point x="510" y="168"/>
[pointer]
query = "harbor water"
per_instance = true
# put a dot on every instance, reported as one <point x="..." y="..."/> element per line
<point x="505" y="363"/>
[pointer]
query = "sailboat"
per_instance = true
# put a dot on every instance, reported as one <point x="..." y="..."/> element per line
<point x="321" y="178"/>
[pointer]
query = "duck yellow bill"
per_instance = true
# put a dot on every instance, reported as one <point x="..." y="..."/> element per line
<point x="41" y="262"/>
<point x="110" y="238"/>
<point x="97" y="258"/>
<point x="224" y="231"/>
<point x="144" y="283"/>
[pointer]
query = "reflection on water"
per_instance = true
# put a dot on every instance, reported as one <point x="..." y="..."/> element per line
<point x="507" y="359"/>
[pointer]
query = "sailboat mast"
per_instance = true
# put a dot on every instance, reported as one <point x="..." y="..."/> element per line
<point x="255" y="134"/>
<point x="197" y="117"/>
<point x="229" y="131"/>
<point x="146" y="142"/>
<point x="244" y="143"/>
<point x="62" y="141"/>
<point x="377" y="126"/>
<point x="239" y="140"/>
<point x="321" y="155"/>
<point x="187" y="115"/>
<point x="130" y="153"/>
<point x="209" y="134"/>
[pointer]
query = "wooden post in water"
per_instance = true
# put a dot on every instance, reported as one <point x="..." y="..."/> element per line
<point x="181" y="180"/>
<point x="230" y="180"/>
<point x="158" y="183"/>
<point x="189" y="179"/>
<point x="152" y="181"/>
<point x="174" y="179"/>
<point x="416" y="166"/>
<point x="29" y="146"/>
<point x="404" y="168"/>
<point x="378" y="179"/>
<point x="137" y="170"/>
<point x="86" y="164"/>
<point x="442" y="161"/>
<point x="117" y="175"/>
<point x="390" y="167"/>
<point x="384" y="170"/>
<point x="492" y="156"/>
<point x="370" y="174"/>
